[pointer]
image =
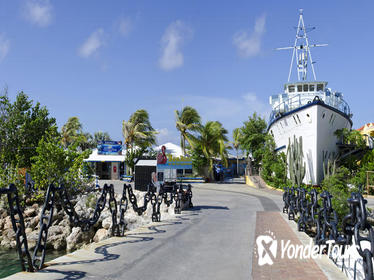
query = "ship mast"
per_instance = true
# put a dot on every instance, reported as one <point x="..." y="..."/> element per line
<point x="302" y="52"/>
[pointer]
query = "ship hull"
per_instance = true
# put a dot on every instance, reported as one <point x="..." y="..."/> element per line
<point x="316" y="123"/>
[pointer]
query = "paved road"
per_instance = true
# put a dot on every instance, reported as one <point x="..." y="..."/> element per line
<point x="214" y="240"/>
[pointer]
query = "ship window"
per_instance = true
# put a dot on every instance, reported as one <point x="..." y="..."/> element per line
<point x="307" y="115"/>
<point x="291" y="88"/>
<point x="319" y="87"/>
<point x="323" y="115"/>
<point x="331" y="118"/>
<point x="305" y="88"/>
<point x="294" y="119"/>
<point x="298" y="118"/>
<point x="299" y="88"/>
<point x="311" y="87"/>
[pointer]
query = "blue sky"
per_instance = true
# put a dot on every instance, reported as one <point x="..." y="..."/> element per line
<point x="102" y="60"/>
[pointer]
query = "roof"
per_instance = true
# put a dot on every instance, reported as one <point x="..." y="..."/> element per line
<point x="95" y="157"/>
<point x="366" y="126"/>
<point x="173" y="149"/>
<point x="146" y="162"/>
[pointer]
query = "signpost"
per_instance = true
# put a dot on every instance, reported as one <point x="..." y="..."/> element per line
<point x="109" y="148"/>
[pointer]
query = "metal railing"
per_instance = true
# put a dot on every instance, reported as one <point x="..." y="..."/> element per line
<point x="302" y="99"/>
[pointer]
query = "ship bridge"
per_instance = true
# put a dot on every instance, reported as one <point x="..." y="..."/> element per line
<point x="302" y="93"/>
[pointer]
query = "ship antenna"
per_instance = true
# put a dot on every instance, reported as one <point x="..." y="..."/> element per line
<point x="302" y="52"/>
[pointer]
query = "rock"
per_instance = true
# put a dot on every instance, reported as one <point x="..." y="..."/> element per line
<point x="107" y="222"/>
<point x="8" y="223"/>
<point x="101" y="234"/>
<point x="28" y="230"/>
<point x="74" y="239"/>
<point x="56" y="237"/>
<point x="34" y="222"/>
<point x="30" y="212"/>
<point x="35" y="206"/>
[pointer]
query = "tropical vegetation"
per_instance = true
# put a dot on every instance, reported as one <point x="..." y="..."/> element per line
<point x="187" y="120"/>
<point x="139" y="136"/>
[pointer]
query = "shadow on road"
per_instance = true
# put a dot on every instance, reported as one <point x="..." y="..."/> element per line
<point x="205" y="207"/>
<point x="103" y="250"/>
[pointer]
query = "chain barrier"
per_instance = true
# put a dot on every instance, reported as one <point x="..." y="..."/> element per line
<point x="325" y="220"/>
<point x="60" y="195"/>
<point x="18" y="225"/>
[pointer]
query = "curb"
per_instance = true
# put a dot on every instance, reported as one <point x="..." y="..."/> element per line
<point x="250" y="183"/>
<point x="324" y="263"/>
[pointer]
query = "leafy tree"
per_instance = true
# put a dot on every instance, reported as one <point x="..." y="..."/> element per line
<point x="56" y="164"/>
<point x="187" y="120"/>
<point x="22" y="125"/>
<point x="212" y="142"/>
<point x="254" y="137"/>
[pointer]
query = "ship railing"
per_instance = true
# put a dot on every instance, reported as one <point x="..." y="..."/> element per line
<point x="303" y="99"/>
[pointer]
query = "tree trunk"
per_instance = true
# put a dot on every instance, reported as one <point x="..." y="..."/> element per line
<point x="237" y="163"/>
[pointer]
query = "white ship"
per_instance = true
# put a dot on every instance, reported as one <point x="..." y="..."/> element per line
<point x="309" y="109"/>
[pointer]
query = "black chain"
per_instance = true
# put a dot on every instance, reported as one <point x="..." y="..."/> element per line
<point x="36" y="262"/>
<point x="123" y="208"/>
<point x="45" y="222"/>
<point x="325" y="220"/>
<point x="18" y="227"/>
<point x="147" y="197"/>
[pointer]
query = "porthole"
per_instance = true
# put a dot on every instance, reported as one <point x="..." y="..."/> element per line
<point x="323" y="115"/>
<point x="308" y="115"/>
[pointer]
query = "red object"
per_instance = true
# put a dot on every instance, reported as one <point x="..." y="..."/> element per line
<point x="161" y="157"/>
<point x="114" y="169"/>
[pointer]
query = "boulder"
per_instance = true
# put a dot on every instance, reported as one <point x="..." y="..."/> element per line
<point x="30" y="212"/>
<point x="34" y="222"/>
<point x="8" y="223"/>
<point x="107" y="222"/>
<point x="101" y="234"/>
<point x="74" y="239"/>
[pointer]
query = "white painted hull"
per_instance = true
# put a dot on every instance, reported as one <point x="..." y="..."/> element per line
<point x="316" y="124"/>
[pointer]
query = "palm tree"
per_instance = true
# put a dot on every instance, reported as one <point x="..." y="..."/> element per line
<point x="71" y="131"/>
<point x="237" y="135"/>
<point x="137" y="133"/>
<point x="188" y="119"/>
<point x="212" y="140"/>
<point x="100" y="136"/>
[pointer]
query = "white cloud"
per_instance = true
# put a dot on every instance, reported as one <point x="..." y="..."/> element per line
<point x="39" y="12"/>
<point x="250" y="45"/>
<point x="4" y="46"/>
<point x="172" y="40"/>
<point x="125" y="26"/>
<point x="165" y="135"/>
<point x="92" y="44"/>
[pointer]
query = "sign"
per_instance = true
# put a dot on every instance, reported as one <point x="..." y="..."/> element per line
<point x="175" y="163"/>
<point x="109" y="148"/>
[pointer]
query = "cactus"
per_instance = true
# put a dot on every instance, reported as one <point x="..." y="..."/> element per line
<point x="296" y="164"/>
<point x="329" y="165"/>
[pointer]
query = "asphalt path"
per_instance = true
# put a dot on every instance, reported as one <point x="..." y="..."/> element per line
<point x="213" y="240"/>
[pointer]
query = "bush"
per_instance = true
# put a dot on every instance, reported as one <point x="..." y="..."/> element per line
<point x="274" y="165"/>
<point x="337" y="186"/>
<point x="54" y="164"/>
